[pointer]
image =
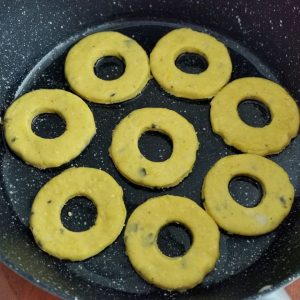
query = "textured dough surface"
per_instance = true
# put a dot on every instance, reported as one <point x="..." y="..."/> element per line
<point x="171" y="273"/>
<point x="276" y="202"/>
<point x="45" y="221"/>
<point x="128" y="159"/>
<point x="270" y="139"/>
<point x="192" y="86"/>
<point x="81" y="59"/>
<point x="42" y="152"/>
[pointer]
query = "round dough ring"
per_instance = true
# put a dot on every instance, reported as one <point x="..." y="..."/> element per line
<point x="269" y="139"/>
<point x="171" y="273"/>
<point x="277" y="200"/>
<point x="81" y="59"/>
<point x="48" y="153"/>
<point x="192" y="86"/>
<point x="45" y="220"/>
<point x="128" y="159"/>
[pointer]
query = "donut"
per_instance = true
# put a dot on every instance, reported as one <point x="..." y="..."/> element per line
<point x="270" y="139"/>
<point x="42" y="152"/>
<point x="171" y="273"/>
<point x="126" y="156"/>
<point x="191" y="86"/>
<point x="45" y="221"/>
<point x="276" y="202"/>
<point x="81" y="60"/>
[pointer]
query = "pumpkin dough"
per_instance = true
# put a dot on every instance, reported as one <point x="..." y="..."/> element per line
<point x="128" y="159"/>
<point x="269" y="139"/>
<point x="48" y="153"/>
<point x="81" y="59"/>
<point x="192" y="86"/>
<point x="276" y="202"/>
<point x="171" y="273"/>
<point x="45" y="221"/>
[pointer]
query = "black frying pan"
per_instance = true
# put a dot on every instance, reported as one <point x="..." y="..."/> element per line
<point x="263" y="39"/>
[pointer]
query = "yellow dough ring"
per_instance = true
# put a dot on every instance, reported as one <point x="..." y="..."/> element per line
<point x="128" y="159"/>
<point x="48" y="153"/>
<point x="81" y="59"/>
<point x="276" y="202"/>
<point x="171" y="273"/>
<point x="45" y="220"/>
<point x="269" y="139"/>
<point x="192" y="86"/>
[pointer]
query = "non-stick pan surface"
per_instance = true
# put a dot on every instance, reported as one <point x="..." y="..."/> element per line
<point x="34" y="43"/>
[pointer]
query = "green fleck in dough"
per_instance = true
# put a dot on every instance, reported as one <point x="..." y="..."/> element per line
<point x="142" y="172"/>
<point x="283" y="201"/>
<point x="149" y="239"/>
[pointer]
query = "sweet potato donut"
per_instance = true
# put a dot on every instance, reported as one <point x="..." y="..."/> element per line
<point x="45" y="221"/>
<point x="171" y="273"/>
<point x="81" y="59"/>
<point x="42" y="152"/>
<point x="191" y="86"/>
<point x="269" y="139"/>
<point x="277" y="200"/>
<point x="128" y="159"/>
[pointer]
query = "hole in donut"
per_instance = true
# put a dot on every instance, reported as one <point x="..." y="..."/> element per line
<point x="79" y="214"/>
<point x="192" y="63"/>
<point x="155" y="145"/>
<point x="48" y="125"/>
<point x="174" y="239"/>
<point x="254" y="113"/>
<point x="245" y="190"/>
<point x="109" y="67"/>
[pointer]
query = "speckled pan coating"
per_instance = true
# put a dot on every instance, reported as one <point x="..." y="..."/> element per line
<point x="36" y="35"/>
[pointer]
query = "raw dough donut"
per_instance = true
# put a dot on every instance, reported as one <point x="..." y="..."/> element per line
<point x="48" y="153"/>
<point x="45" y="221"/>
<point x="171" y="273"/>
<point x="128" y="159"/>
<point x="269" y="139"/>
<point x="81" y="59"/>
<point x="276" y="202"/>
<point x="192" y="86"/>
